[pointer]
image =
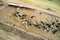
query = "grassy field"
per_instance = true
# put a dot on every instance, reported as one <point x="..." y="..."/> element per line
<point x="5" y="27"/>
<point x="53" y="1"/>
<point x="7" y="33"/>
<point x="54" y="4"/>
<point x="17" y="21"/>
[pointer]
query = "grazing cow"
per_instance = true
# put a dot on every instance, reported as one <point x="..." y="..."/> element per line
<point x="54" y="31"/>
<point x="26" y="23"/>
<point x="58" y="25"/>
<point x="49" y="25"/>
<point x="22" y="16"/>
<point x="1" y="4"/>
<point x="16" y="13"/>
<point x="36" y="24"/>
<point x="33" y="17"/>
<point x="40" y="13"/>
<point x="49" y="9"/>
<point x="57" y="20"/>
<point x="45" y="28"/>
<point x="42" y="22"/>
<point x="53" y="23"/>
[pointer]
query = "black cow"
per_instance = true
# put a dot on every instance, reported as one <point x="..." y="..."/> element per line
<point x="54" y="31"/>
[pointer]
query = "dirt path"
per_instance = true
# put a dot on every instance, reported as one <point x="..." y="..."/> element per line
<point x="8" y="36"/>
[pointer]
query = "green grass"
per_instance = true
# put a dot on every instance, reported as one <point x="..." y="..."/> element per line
<point x="50" y="4"/>
<point x="51" y="1"/>
<point x="5" y="27"/>
<point x="44" y="4"/>
<point x="2" y="38"/>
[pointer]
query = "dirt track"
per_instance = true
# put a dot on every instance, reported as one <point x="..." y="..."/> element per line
<point x="8" y="36"/>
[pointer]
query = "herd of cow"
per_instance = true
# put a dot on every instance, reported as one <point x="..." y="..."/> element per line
<point x="54" y="26"/>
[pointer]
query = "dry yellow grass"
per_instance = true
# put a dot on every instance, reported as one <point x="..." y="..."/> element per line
<point x="7" y="16"/>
